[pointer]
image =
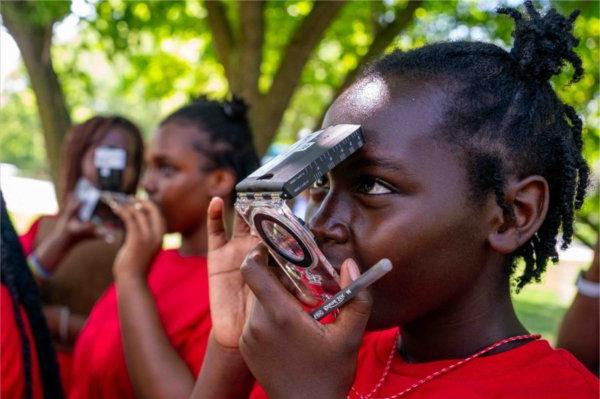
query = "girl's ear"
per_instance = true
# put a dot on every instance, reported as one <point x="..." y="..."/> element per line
<point x="528" y="199"/>
<point x="221" y="183"/>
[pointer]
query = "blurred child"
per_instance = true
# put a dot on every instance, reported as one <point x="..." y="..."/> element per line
<point x="70" y="258"/>
<point x="147" y="335"/>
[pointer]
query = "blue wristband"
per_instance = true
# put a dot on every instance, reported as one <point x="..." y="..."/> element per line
<point x="37" y="268"/>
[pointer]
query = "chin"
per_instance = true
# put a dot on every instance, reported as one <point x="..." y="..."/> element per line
<point x="386" y="316"/>
<point x="174" y="227"/>
<point x="375" y="324"/>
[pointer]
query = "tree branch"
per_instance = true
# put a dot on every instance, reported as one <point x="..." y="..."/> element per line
<point x="222" y="34"/>
<point x="380" y="42"/>
<point x="308" y="35"/>
<point x="252" y="29"/>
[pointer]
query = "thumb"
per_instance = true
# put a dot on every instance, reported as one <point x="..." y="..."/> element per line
<point x="217" y="237"/>
<point x="353" y="317"/>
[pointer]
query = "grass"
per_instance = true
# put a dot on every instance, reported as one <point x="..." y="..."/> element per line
<point x="540" y="311"/>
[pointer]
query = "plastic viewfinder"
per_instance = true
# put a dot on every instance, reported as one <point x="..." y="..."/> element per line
<point x="262" y="203"/>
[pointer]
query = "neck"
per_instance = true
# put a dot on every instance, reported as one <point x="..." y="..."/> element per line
<point x="481" y="316"/>
<point x="194" y="243"/>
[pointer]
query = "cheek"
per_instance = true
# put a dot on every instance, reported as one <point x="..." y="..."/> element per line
<point x="433" y="261"/>
<point x="88" y="170"/>
<point x="128" y="178"/>
<point x="183" y="201"/>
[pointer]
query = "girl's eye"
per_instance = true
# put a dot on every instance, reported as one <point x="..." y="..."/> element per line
<point x="166" y="169"/>
<point x="322" y="183"/>
<point x="372" y="186"/>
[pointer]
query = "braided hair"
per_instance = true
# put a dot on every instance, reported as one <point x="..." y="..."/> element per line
<point x="24" y="294"/>
<point x="504" y="115"/>
<point x="230" y="137"/>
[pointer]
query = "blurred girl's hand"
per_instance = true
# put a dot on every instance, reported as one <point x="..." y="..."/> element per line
<point x="228" y="292"/>
<point x="145" y="227"/>
<point x="69" y="227"/>
<point x="66" y="233"/>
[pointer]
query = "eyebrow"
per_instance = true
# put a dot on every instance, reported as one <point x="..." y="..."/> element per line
<point x="161" y="158"/>
<point x="383" y="163"/>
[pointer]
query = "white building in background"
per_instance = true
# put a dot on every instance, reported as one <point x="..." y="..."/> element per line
<point x="25" y="197"/>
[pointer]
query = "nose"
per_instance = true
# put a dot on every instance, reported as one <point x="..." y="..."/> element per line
<point x="149" y="182"/>
<point x="328" y="223"/>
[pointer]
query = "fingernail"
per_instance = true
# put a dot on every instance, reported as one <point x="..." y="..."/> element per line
<point x="353" y="269"/>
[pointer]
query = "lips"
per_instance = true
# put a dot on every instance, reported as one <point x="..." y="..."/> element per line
<point x="335" y="259"/>
<point x="154" y="199"/>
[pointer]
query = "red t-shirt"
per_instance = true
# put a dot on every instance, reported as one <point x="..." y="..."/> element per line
<point x="533" y="370"/>
<point x="180" y="288"/>
<point x="12" y="371"/>
<point x="28" y="239"/>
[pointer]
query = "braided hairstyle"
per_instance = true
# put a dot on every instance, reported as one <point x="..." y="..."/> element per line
<point x="88" y="134"/>
<point x="506" y="119"/>
<point x="230" y="137"/>
<point x="24" y="293"/>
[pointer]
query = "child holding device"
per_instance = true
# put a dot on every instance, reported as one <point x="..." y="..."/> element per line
<point x="69" y="257"/>
<point x="147" y="334"/>
<point x="471" y="165"/>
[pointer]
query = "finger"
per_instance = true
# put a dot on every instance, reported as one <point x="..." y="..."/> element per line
<point x="157" y="221"/>
<point x="264" y="284"/>
<point x="142" y="219"/>
<point x="217" y="236"/>
<point x="353" y="317"/>
<point x="348" y="273"/>
<point x="126" y="215"/>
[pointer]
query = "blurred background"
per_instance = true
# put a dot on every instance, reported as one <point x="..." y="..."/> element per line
<point x="64" y="61"/>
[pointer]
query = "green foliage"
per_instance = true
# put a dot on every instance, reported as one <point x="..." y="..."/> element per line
<point x="22" y="141"/>
<point x="40" y="12"/>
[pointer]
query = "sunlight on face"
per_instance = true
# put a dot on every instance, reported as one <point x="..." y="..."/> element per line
<point x="368" y="94"/>
<point x="362" y="99"/>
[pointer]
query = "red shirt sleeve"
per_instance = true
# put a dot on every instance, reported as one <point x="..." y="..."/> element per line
<point x="28" y="239"/>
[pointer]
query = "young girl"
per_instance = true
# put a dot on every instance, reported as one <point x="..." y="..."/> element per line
<point x="73" y="261"/>
<point x="471" y="165"/>
<point x="147" y="334"/>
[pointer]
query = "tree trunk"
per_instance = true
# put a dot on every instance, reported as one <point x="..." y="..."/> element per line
<point x="34" y="42"/>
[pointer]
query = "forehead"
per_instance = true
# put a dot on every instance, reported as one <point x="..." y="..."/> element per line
<point x="116" y="137"/>
<point x="176" y="137"/>
<point x="398" y="119"/>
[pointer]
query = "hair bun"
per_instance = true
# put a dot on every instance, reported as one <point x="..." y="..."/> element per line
<point x="236" y="108"/>
<point x="543" y="43"/>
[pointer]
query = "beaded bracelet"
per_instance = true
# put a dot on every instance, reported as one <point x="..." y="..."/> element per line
<point x="37" y="268"/>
